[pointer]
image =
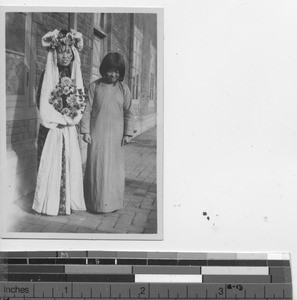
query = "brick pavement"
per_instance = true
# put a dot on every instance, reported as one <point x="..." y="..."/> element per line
<point x="138" y="216"/>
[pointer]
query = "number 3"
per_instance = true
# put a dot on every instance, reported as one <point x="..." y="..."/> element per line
<point x="221" y="291"/>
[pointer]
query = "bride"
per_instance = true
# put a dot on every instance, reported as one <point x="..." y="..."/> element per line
<point x="59" y="187"/>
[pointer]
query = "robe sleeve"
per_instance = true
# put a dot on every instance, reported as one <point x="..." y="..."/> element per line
<point x="85" y="121"/>
<point x="128" y="112"/>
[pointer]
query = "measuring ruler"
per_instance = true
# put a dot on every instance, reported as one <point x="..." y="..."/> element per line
<point x="144" y="275"/>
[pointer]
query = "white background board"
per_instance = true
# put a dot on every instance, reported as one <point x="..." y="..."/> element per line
<point x="230" y="128"/>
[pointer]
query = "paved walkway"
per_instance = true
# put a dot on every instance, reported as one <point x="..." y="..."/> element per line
<point x="138" y="216"/>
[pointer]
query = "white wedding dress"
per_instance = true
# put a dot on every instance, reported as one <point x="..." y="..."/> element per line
<point x="48" y="187"/>
<point x="47" y="193"/>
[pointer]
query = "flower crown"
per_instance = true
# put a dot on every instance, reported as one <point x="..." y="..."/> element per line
<point x="54" y="39"/>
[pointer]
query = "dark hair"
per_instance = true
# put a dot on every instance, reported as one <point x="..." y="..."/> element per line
<point x="63" y="32"/>
<point x="113" y="60"/>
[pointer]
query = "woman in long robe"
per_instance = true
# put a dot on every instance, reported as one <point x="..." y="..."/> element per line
<point x="59" y="187"/>
<point x="107" y="125"/>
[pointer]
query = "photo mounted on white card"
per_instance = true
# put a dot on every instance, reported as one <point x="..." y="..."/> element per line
<point x="83" y="154"/>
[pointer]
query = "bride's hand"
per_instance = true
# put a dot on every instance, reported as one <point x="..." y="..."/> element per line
<point x="61" y="126"/>
<point x="72" y="122"/>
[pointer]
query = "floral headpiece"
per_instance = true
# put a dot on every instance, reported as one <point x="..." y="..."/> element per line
<point x="54" y="39"/>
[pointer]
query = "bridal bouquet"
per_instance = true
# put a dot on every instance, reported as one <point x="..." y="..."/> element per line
<point x="67" y="99"/>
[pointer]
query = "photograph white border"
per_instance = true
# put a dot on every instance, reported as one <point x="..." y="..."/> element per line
<point x="160" y="126"/>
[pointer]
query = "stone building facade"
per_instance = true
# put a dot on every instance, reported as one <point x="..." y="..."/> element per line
<point x="134" y="35"/>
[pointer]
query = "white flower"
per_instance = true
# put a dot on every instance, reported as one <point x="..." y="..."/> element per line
<point x="80" y="45"/>
<point x="70" y="101"/>
<point x="75" y="33"/>
<point x="78" y="38"/>
<point x="82" y="106"/>
<point x="48" y="38"/>
<point x="66" y="90"/>
<point x="66" y="81"/>
<point x="65" y="111"/>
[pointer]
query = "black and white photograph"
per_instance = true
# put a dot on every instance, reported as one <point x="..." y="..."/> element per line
<point x="83" y="123"/>
<point x="158" y="127"/>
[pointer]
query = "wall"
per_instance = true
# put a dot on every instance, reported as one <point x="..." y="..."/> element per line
<point x="85" y="26"/>
<point x="121" y="38"/>
<point x="147" y="23"/>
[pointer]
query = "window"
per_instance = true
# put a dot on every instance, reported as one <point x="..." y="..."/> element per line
<point x="17" y="44"/>
<point x="98" y="54"/>
<point x="136" y="66"/>
<point x="100" y="21"/>
<point x="99" y="43"/>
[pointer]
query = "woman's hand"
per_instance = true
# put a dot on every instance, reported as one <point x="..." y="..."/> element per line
<point x="72" y="122"/>
<point x="87" y="138"/>
<point x="126" y="140"/>
<point x="61" y="126"/>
